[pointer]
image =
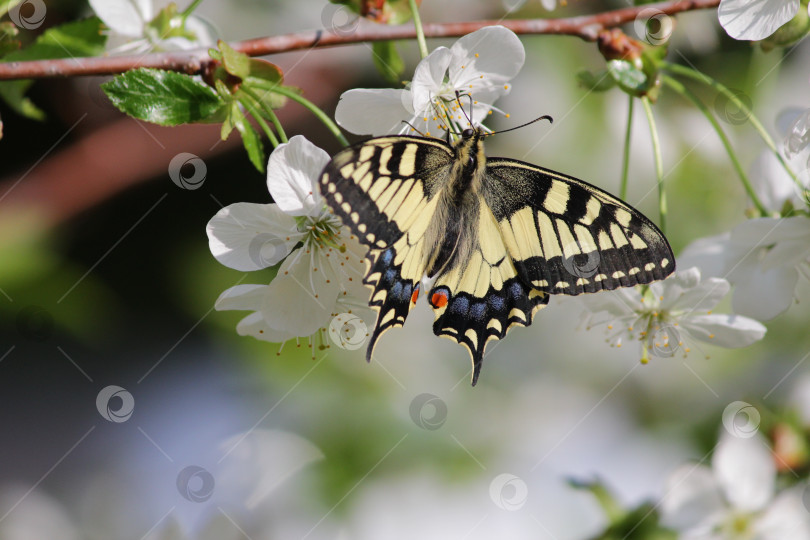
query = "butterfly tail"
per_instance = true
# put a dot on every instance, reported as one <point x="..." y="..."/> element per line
<point x="392" y="296"/>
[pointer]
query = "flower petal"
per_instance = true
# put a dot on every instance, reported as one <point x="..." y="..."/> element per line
<point x="494" y="52"/>
<point x="745" y="470"/>
<point x="374" y="112"/>
<point x="792" y="243"/>
<point x="772" y="184"/>
<point x="731" y="331"/>
<point x="763" y="294"/>
<point x="293" y="171"/>
<point x="785" y="517"/>
<point x="787" y="240"/>
<point x="254" y="325"/>
<point x="755" y="19"/>
<point x="301" y="299"/>
<point x="619" y="302"/>
<point x="702" y="297"/>
<point x="125" y="17"/>
<point x="692" y="499"/>
<point x="428" y="78"/>
<point x="242" y="297"/>
<point x="248" y="236"/>
<point x="708" y="254"/>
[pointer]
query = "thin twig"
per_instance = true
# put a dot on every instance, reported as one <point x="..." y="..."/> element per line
<point x="586" y="27"/>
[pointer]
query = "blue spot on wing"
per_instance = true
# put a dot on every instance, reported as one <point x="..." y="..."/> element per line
<point x="460" y="305"/>
<point x="497" y="303"/>
<point x="478" y="310"/>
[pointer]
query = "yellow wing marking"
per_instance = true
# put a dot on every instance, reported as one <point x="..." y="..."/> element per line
<point x="557" y="197"/>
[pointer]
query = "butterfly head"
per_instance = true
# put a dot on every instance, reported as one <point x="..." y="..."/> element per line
<point x="470" y="151"/>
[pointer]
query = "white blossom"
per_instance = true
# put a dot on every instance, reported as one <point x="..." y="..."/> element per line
<point x="133" y="29"/>
<point x="762" y="258"/>
<point x="480" y="64"/>
<point x="735" y="498"/>
<point x="321" y="273"/>
<point x="754" y="20"/>
<point x="664" y="316"/>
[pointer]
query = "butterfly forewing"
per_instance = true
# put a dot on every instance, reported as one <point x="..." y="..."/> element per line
<point x="569" y="237"/>
<point x="383" y="190"/>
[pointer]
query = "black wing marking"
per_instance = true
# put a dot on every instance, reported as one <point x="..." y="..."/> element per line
<point x="569" y="237"/>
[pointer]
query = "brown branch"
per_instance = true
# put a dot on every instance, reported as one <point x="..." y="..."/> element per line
<point x="193" y="62"/>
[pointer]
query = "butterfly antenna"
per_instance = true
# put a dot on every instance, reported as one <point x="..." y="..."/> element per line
<point x="460" y="106"/>
<point x="544" y="117"/>
<point x="414" y="128"/>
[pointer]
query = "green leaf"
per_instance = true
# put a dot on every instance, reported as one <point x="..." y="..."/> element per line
<point x="597" y="82"/>
<point x="388" y="61"/>
<point x="265" y="71"/>
<point x="264" y="77"/>
<point x="163" y="97"/>
<point x="79" y="38"/>
<point x="250" y="138"/>
<point x="236" y="63"/>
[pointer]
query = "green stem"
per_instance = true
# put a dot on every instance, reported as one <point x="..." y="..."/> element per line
<point x="298" y="98"/>
<point x="268" y="112"/>
<point x="420" y="33"/>
<point x="190" y="9"/>
<point x="678" y="87"/>
<point x="733" y="98"/>
<point x="259" y="120"/>
<point x="659" y="164"/>
<point x="626" y="156"/>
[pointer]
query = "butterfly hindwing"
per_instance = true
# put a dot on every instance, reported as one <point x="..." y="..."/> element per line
<point x="483" y="299"/>
<point x="569" y="237"/>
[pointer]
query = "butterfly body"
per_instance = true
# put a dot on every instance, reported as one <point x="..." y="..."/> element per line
<point x="497" y="236"/>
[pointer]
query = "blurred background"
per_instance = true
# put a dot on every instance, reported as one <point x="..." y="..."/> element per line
<point x="132" y="409"/>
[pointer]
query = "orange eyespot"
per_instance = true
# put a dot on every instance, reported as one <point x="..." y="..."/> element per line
<point x="415" y="295"/>
<point x="439" y="299"/>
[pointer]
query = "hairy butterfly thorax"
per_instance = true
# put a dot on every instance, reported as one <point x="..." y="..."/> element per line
<point x="497" y="236"/>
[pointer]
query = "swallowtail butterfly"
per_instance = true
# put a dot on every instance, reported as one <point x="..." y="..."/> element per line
<point x="497" y="235"/>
